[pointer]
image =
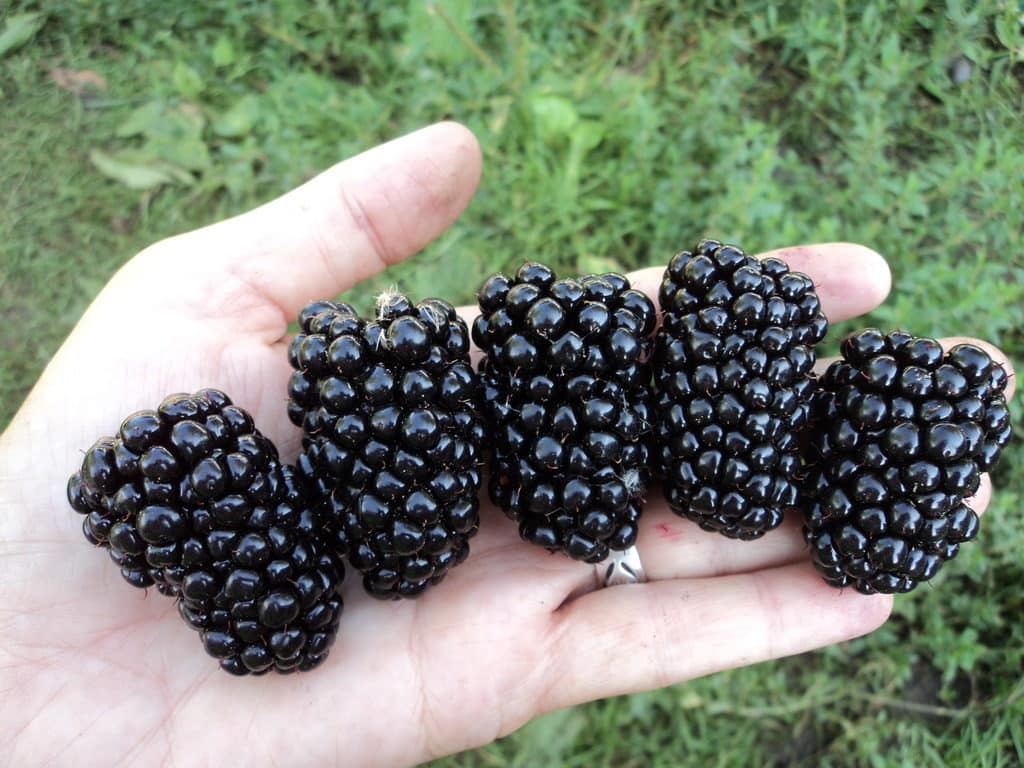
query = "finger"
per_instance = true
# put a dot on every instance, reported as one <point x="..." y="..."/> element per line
<point x="500" y="561"/>
<point x="672" y="547"/>
<point x="850" y="279"/>
<point x="948" y="343"/>
<point x="628" y="639"/>
<point x="994" y="352"/>
<point x="351" y="221"/>
<point x="983" y="496"/>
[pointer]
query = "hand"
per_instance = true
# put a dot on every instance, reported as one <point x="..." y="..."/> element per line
<point x="93" y="672"/>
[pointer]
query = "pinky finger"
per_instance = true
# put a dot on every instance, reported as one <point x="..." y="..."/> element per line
<point x="634" y="638"/>
<point x="980" y="500"/>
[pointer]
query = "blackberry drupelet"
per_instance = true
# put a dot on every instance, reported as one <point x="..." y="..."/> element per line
<point x="733" y="380"/>
<point x="192" y="498"/>
<point x="566" y="396"/>
<point x="393" y="438"/>
<point x="902" y="434"/>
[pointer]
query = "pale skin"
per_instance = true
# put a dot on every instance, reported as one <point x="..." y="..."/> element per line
<point x="93" y="672"/>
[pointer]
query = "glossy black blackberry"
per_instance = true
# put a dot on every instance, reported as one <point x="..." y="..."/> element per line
<point x="389" y="408"/>
<point x="733" y="380"/>
<point x="566" y="397"/>
<point x="902" y="434"/>
<point x="192" y="498"/>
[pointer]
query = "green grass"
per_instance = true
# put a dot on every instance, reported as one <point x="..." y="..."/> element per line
<point x="614" y="133"/>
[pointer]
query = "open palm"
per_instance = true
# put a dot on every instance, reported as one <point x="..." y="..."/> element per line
<point x="93" y="672"/>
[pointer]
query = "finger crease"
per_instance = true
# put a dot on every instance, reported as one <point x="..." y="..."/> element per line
<point x="367" y="226"/>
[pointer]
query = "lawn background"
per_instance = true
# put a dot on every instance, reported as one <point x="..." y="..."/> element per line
<point x="614" y="133"/>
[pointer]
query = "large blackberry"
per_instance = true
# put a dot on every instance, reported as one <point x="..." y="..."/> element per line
<point x="566" y="396"/>
<point x="192" y="498"/>
<point x="393" y="438"/>
<point x="902" y="434"/>
<point x="732" y="377"/>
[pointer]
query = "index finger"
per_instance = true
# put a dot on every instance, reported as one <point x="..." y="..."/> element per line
<point x="850" y="279"/>
<point x="350" y="222"/>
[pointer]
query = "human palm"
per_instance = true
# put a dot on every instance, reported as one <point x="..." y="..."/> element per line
<point x="96" y="673"/>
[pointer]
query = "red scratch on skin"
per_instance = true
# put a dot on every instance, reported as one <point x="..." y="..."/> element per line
<point x="668" y="532"/>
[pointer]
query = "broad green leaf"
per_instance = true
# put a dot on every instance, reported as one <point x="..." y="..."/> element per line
<point x="179" y="139"/>
<point x="183" y="151"/>
<point x="130" y="170"/>
<point x="305" y="102"/>
<point x="239" y="119"/>
<point x="18" y="30"/>
<point x="554" y="117"/>
<point x="186" y="80"/>
<point x="173" y="134"/>
<point x="185" y="119"/>
<point x="586" y="135"/>
<point x="142" y="120"/>
<point x="223" y="52"/>
<point x="430" y="30"/>
<point x="1009" y="29"/>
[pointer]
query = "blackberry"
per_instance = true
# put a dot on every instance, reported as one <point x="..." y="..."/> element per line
<point x="392" y="444"/>
<point x="192" y="498"/>
<point x="732" y="379"/>
<point x="903" y="433"/>
<point x="566" y="397"/>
